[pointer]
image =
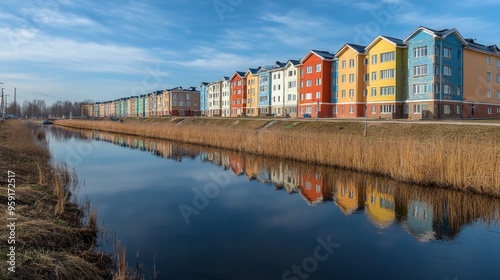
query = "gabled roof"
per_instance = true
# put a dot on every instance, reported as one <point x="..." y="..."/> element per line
<point x="239" y="73"/>
<point x="324" y="55"/>
<point x="472" y="45"/>
<point x="437" y="33"/>
<point x="225" y="78"/>
<point x="357" y="48"/>
<point x="204" y="83"/>
<point x="291" y="63"/>
<point x="253" y="71"/>
<point x="396" y="42"/>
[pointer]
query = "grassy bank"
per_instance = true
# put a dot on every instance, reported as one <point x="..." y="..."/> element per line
<point x="452" y="156"/>
<point x="50" y="240"/>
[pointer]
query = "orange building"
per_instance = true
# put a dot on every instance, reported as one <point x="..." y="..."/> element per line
<point x="352" y="81"/>
<point x="315" y="89"/>
<point x="481" y="81"/>
<point x="311" y="187"/>
<point x="238" y="94"/>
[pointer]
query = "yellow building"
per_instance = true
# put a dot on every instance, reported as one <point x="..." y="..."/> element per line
<point x="380" y="206"/>
<point x="387" y="71"/>
<point x="253" y="93"/>
<point x="352" y="81"/>
<point x="481" y="81"/>
<point x="348" y="196"/>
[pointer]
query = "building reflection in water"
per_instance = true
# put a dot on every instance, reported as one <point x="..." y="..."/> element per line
<point x="426" y="213"/>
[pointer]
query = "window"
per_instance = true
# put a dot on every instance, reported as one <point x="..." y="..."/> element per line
<point x="351" y="63"/>
<point x="318" y="81"/>
<point x="374" y="59"/>
<point x="419" y="89"/>
<point x="488" y="93"/>
<point x="343" y="93"/>
<point x="367" y="77"/>
<point x="385" y="57"/>
<point x="292" y="84"/>
<point x="308" y="83"/>
<point x="343" y="79"/>
<point x="498" y="94"/>
<point x="447" y="52"/>
<point x="308" y="96"/>
<point x="318" y="94"/>
<point x="374" y="76"/>
<point x="343" y="64"/>
<point x="318" y="67"/>
<point x="447" y="70"/>
<point x="364" y="93"/>
<point x="351" y="78"/>
<point x="488" y="76"/>
<point x="302" y="72"/>
<point x="309" y="69"/>
<point x="374" y="109"/>
<point x="420" y="51"/>
<point x="447" y="89"/>
<point x="351" y="109"/>
<point x="459" y="90"/>
<point x="351" y="93"/>
<point x="366" y="61"/>
<point x="498" y="78"/>
<point x="436" y="69"/>
<point x="420" y="70"/>
<point x="488" y="60"/>
<point x="301" y="84"/>
<point x="416" y="109"/>
<point x="459" y="110"/>
<point x="308" y="109"/>
<point x="387" y="109"/>
<point x="386" y="90"/>
<point x="498" y="62"/>
<point x="447" y="109"/>
<point x="374" y="92"/>
<point x="459" y="54"/>
<point x="387" y="74"/>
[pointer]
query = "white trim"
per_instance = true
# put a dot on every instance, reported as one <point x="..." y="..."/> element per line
<point x="481" y="103"/>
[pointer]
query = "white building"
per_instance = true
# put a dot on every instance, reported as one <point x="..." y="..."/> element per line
<point x="226" y="97"/>
<point x="214" y="99"/>
<point x="278" y="89"/>
<point x="291" y="87"/>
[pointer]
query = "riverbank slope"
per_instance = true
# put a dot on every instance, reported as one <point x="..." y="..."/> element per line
<point x="46" y="239"/>
<point x="463" y="157"/>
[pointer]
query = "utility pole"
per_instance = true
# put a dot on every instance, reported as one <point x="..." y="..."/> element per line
<point x="1" y="105"/>
<point x="15" y="103"/>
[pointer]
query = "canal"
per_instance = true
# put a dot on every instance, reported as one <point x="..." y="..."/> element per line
<point x="203" y="213"/>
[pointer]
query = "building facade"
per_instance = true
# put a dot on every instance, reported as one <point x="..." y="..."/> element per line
<point x="352" y="82"/>
<point x="387" y="70"/>
<point x="316" y="84"/>
<point x="291" y="87"/>
<point x="238" y="94"/>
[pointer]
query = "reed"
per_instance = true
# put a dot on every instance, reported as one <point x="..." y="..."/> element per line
<point x="454" y="162"/>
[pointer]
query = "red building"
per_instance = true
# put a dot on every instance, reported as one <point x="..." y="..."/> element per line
<point x="238" y="94"/>
<point x="316" y="84"/>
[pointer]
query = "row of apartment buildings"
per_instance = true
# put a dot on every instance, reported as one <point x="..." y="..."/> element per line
<point x="432" y="74"/>
<point x="169" y="102"/>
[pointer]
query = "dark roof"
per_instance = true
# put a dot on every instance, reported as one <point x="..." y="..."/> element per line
<point x="493" y="49"/>
<point x="358" y="48"/>
<point x="204" y="83"/>
<point x="294" y="62"/>
<point x="324" y="54"/>
<point x="396" y="41"/>
<point x="242" y="74"/>
<point x="254" y="70"/>
<point x="226" y="78"/>
<point x="437" y="32"/>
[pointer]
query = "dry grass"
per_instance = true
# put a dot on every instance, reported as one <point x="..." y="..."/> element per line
<point x="448" y="160"/>
<point x="50" y="241"/>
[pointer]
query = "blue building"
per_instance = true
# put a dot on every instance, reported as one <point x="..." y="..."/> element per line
<point x="203" y="98"/>
<point x="264" y="90"/>
<point x="435" y="73"/>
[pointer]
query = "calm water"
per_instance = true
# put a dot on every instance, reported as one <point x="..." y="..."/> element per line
<point x="213" y="214"/>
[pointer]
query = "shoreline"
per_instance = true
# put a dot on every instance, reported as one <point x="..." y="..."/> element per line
<point x="448" y="156"/>
<point x="47" y="237"/>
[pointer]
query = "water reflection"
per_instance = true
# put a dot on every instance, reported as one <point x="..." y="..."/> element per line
<point x="426" y="213"/>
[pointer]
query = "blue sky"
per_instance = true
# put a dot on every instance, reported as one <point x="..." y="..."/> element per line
<point x="103" y="50"/>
